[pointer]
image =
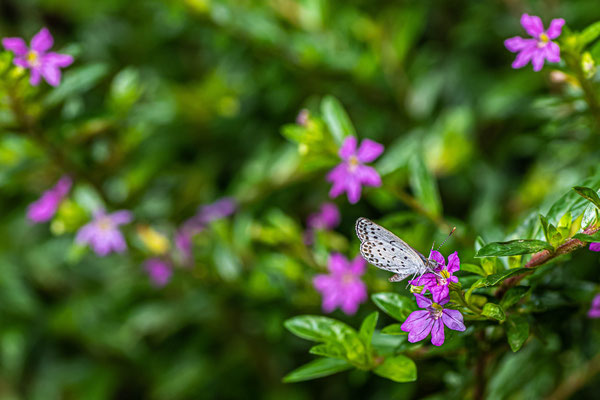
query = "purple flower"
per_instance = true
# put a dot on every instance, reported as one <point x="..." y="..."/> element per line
<point x="342" y="287"/>
<point x="540" y="47"/>
<point x="159" y="271"/>
<point x="37" y="58"/>
<point x="594" y="311"/>
<point x="438" y="284"/>
<point x="351" y="174"/>
<point x="595" y="246"/>
<point x="328" y="217"/>
<point x="44" y="208"/>
<point x="302" y="117"/>
<point x="217" y="210"/>
<point x="432" y="320"/>
<point x="102" y="233"/>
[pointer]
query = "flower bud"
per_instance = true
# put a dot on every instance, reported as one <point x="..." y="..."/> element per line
<point x="455" y="286"/>
<point x="416" y="289"/>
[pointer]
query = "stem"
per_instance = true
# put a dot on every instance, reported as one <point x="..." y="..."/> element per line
<point x="574" y="63"/>
<point x="463" y="302"/>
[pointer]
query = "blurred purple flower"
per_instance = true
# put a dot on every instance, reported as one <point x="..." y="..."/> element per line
<point x="342" y="287"/>
<point x="595" y="246"/>
<point x="37" y="58"/>
<point x="540" y="47"/>
<point x="196" y="224"/>
<point x="302" y="117"/>
<point x="594" y="311"/>
<point x="328" y="217"/>
<point x="432" y="320"/>
<point x="159" y="271"/>
<point x="438" y="285"/>
<point x="102" y="233"/>
<point x="44" y="208"/>
<point x="351" y="174"/>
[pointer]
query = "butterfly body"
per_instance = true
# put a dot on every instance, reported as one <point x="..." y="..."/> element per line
<point x="387" y="251"/>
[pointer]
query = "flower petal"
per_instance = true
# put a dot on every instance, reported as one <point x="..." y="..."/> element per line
<point x="368" y="176"/>
<point x="422" y="301"/>
<point x="354" y="295"/>
<point x="453" y="319"/>
<point x="348" y="148"/>
<point x="121" y="217"/>
<point x="337" y="263"/>
<point x="437" y="333"/>
<point x="552" y="52"/>
<point x="524" y="57"/>
<point x="538" y="59"/>
<point x="437" y="257"/>
<point x="555" y="28"/>
<point x="323" y="282"/>
<point x="440" y="292"/>
<point x="369" y="150"/>
<point x="51" y="74"/>
<point x="441" y="300"/>
<point x="36" y="77"/>
<point x="338" y="176"/>
<point x="532" y="24"/>
<point x="595" y="246"/>
<point x="420" y="332"/>
<point x="517" y="43"/>
<point x="353" y="189"/>
<point x="42" y="41"/>
<point x="58" y="60"/>
<point x="415" y="320"/>
<point x="330" y="215"/>
<point x="16" y="45"/>
<point x="358" y="265"/>
<point x="453" y="262"/>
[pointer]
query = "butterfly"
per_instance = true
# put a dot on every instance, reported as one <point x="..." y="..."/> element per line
<point x="387" y="251"/>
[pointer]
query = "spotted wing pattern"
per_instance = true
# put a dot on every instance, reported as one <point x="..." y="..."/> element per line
<point x="387" y="251"/>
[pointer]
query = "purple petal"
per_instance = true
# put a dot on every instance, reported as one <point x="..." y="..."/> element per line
<point x="437" y="333"/>
<point x="323" y="283"/>
<point x="183" y="242"/>
<point x="121" y="217"/>
<point x="354" y="295"/>
<point x="517" y="43"/>
<point x="330" y="215"/>
<point x="453" y="262"/>
<point x="348" y="148"/>
<point x="368" y="176"/>
<point x="596" y="301"/>
<point x="555" y="28"/>
<point x="595" y="246"/>
<point x="42" y="41"/>
<point x="338" y="176"/>
<point x="16" y="45"/>
<point x="441" y="300"/>
<point x="593" y="313"/>
<point x="51" y="74"/>
<point x="44" y="208"/>
<point x="532" y="24"/>
<point x="369" y="151"/>
<point x="552" y="52"/>
<point x="538" y="60"/>
<point x="422" y="301"/>
<point x="524" y="57"/>
<point x="337" y="263"/>
<point x="159" y="271"/>
<point x="85" y="233"/>
<point x="358" y="266"/>
<point x="415" y="320"/>
<point x="353" y="189"/>
<point x="36" y="77"/>
<point x="440" y="292"/>
<point x="117" y="241"/>
<point x="58" y="60"/>
<point x="420" y="332"/>
<point x="21" y="61"/>
<point x="437" y="257"/>
<point x="426" y="280"/>
<point x="453" y="319"/>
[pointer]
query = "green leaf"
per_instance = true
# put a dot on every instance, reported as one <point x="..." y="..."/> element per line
<point x="76" y="80"/>
<point x="398" y="369"/>
<point x="490" y="265"/>
<point x="394" y="329"/>
<point x="317" y="369"/>
<point x="589" y="34"/>
<point x="423" y="185"/>
<point x="332" y="350"/>
<point x="517" y="332"/>
<point x="394" y="305"/>
<point x="367" y="328"/>
<point x="513" y="248"/>
<point x="476" y="269"/>
<point x="336" y="119"/>
<point x="595" y="237"/>
<point x="492" y="310"/>
<point x="513" y="295"/>
<point x="495" y="279"/>
<point x="318" y="328"/>
<point x="588" y="194"/>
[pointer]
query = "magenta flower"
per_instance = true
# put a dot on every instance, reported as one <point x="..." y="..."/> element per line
<point x="595" y="246"/>
<point x="328" y="217"/>
<point x="432" y="320"/>
<point x="438" y="284"/>
<point x="44" y="208"/>
<point x="37" y="58"/>
<point x="159" y="271"/>
<point x="102" y="234"/>
<point x="540" y="47"/>
<point x="342" y="287"/>
<point x="594" y="311"/>
<point x="351" y="174"/>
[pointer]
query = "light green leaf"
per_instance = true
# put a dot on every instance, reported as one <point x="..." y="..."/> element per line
<point x="336" y="119"/>
<point x="367" y="328"/>
<point x="494" y="311"/>
<point x="318" y="328"/>
<point x="513" y="248"/>
<point x="398" y="369"/>
<point x="588" y="194"/>
<point x="332" y="350"/>
<point x="394" y="305"/>
<point x="394" y="329"/>
<point x="476" y="269"/>
<point x="317" y="369"/>
<point x="517" y="332"/>
<point x="588" y="238"/>
<point x="589" y="34"/>
<point x="424" y="185"/>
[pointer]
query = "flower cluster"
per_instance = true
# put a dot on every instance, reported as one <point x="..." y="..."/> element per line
<point x="434" y="315"/>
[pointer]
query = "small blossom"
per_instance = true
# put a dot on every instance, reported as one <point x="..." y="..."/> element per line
<point x="159" y="271"/>
<point x="438" y="284"/>
<point x="219" y="209"/>
<point x="594" y="311"/>
<point x="432" y="319"/>
<point x="37" y="58"/>
<point x="351" y="174"/>
<point x="102" y="234"/>
<point x="328" y="217"/>
<point x="538" y="48"/>
<point x="595" y="246"/>
<point x="45" y="207"/>
<point x="342" y="287"/>
<point x="302" y="117"/>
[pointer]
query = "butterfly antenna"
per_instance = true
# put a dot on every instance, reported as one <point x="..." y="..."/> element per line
<point x="445" y="240"/>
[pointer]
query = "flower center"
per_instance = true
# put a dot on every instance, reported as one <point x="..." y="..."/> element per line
<point x="443" y="280"/>
<point x="347" y="278"/>
<point x="105" y="224"/>
<point x="543" y="40"/>
<point x="33" y="58"/>
<point x="353" y="162"/>
<point x="435" y="310"/>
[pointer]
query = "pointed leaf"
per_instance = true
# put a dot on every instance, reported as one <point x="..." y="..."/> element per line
<point x="513" y="295"/>
<point x="318" y="328"/>
<point x="394" y="305"/>
<point x="494" y="311"/>
<point x="399" y="369"/>
<point x="588" y="194"/>
<point x="588" y="238"/>
<point x="367" y="328"/>
<point x="424" y="185"/>
<point x="476" y="269"/>
<point x="517" y="332"/>
<point x="513" y="248"/>
<point x="336" y="119"/>
<point x="394" y="329"/>
<point x="317" y="369"/>
<point x="332" y="350"/>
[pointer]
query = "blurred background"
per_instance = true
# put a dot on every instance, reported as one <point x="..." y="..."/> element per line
<point x="172" y="104"/>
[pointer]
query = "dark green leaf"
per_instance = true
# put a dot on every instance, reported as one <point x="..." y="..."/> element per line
<point x="513" y="295"/>
<point x="394" y="305"/>
<point x="517" y="332"/>
<point x="336" y="119"/>
<point x="513" y="248"/>
<point x="317" y="369"/>
<point x="399" y="369"/>
<point x="494" y="311"/>
<point x="423" y="185"/>
<point x="394" y="329"/>
<point x="77" y="80"/>
<point x="588" y="194"/>
<point x="588" y="238"/>
<point x="476" y="269"/>
<point x="493" y="280"/>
